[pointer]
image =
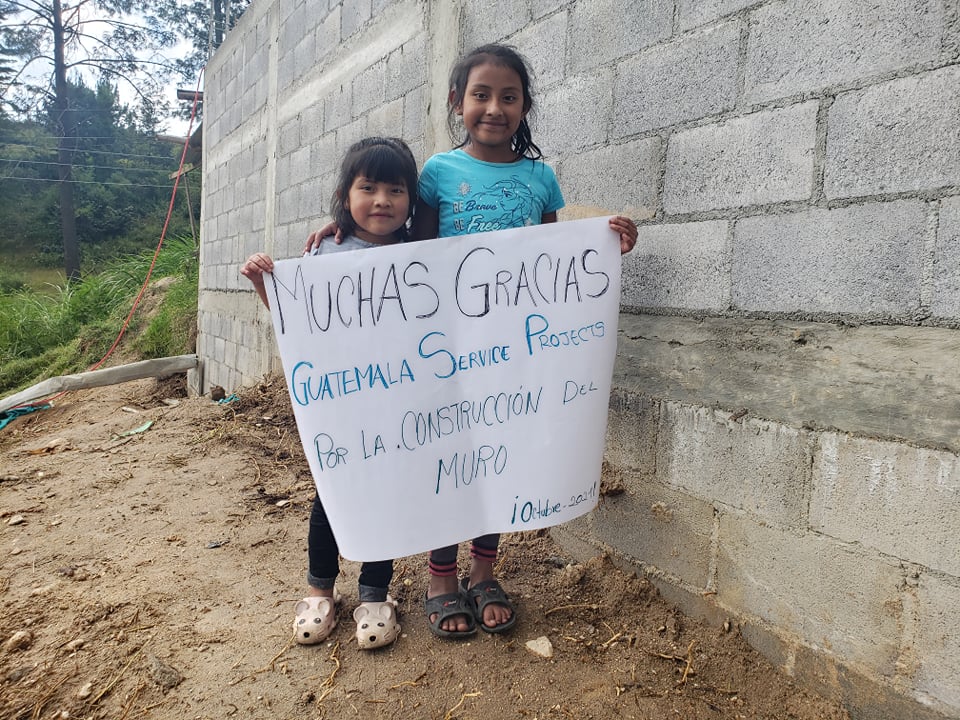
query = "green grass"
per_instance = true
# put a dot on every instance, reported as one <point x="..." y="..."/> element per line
<point x="172" y="330"/>
<point x="69" y="327"/>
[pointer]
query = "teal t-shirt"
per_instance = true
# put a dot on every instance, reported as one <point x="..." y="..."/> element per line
<point x="473" y="196"/>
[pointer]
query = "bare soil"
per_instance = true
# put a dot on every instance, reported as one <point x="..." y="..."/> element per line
<point x="153" y="575"/>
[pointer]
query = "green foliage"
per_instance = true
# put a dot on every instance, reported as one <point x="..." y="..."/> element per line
<point x="72" y="327"/>
<point x="11" y="281"/>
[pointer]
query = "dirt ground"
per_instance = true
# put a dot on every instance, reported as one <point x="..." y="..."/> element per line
<point x="153" y="575"/>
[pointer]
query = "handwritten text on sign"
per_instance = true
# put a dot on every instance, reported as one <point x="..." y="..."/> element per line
<point x="451" y="388"/>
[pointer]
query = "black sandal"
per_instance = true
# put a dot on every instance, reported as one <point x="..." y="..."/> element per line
<point x="484" y="593"/>
<point x="447" y="606"/>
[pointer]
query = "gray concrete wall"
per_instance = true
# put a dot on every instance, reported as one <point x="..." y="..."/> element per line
<point x="785" y="417"/>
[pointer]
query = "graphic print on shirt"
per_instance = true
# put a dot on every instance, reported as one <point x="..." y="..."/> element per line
<point x="507" y="203"/>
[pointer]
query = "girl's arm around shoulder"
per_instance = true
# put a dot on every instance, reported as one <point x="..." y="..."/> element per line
<point x="253" y="269"/>
<point x="331" y="230"/>
<point x="426" y="222"/>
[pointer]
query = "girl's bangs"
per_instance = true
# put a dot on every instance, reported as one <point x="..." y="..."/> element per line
<point x="382" y="163"/>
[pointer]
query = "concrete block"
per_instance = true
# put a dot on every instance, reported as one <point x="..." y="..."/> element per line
<point x="900" y="500"/>
<point x="256" y="62"/>
<point x="765" y="157"/>
<point x="386" y="119"/>
<point x="578" y="546"/>
<point x="250" y="42"/>
<point x="338" y="107"/>
<point x="248" y="102"/>
<point x="219" y="350"/>
<point x="225" y="272"/>
<point x="754" y="465"/>
<point x="282" y="174"/>
<point x="419" y="152"/>
<point x="545" y="7"/>
<point x="293" y="20"/>
<point x="328" y="36"/>
<point x="328" y="186"/>
<point x="937" y="644"/>
<point x="230" y="355"/>
<point x="863" y="697"/>
<point x="223" y="176"/>
<point x="350" y="133"/>
<point x="301" y="130"/>
<point x="689" y="78"/>
<point x="304" y="57"/>
<point x="692" y="13"/>
<point x="195" y="381"/>
<point x="614" y="178"/>
<point x="795" y="49"/>
<point x="946" y="265"/>
<point x="951" y="31"/>
<point x="309" y="123"/>
<point x="262" y="93"/>
<point x="299" y="167"/>
<point x="632" y="423"/>
<point x="325" y="156"/>
<point x="288" y="205"/>
<point x="414" y="111"/>
<point x="560" y="125"/>
<point x="679" y="266"/>
<point x="232" y="118"/>
<point x="639" y="24"/>
<point x="310" y="200"/>
<point x="544" y="44"/>
<point x="368" y="88"/>
<point x="285" y="8"/>
<point x="353" y="15"/>
<point x="246" y="163"/>
<point x="406" y="69"/>
<point x="264" y="29"/>
<point x="863" y="260"/>
<point x="660" y="528"/>
<point x="893" y="137"/>
<point x="831" y="597"/>
<point x="492" y="21"/>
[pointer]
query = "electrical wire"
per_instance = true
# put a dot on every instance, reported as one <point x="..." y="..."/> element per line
<point x="9" y="143"/>
<point x="153" y="262"/>
<point x="114" y="138"/>
<point x="75" y="166"/>
<point x="80" y="182"/>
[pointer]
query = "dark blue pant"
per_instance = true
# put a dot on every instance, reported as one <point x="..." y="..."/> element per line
<point x="324" y="558"/>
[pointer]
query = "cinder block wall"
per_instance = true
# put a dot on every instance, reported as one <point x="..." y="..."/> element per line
<point x="785" y="419"/>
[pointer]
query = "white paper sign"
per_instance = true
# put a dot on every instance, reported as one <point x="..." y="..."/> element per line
<point x="455" y="387"/>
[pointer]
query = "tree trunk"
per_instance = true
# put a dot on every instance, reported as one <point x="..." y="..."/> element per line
<point x="68" y="218"/>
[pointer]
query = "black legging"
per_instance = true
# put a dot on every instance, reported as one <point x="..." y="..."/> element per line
<point x="324" y="558"/>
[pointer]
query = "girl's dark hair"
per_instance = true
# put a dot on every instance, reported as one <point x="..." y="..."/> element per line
<point x="505" y="56"/>
<point x="381" y="159"/>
